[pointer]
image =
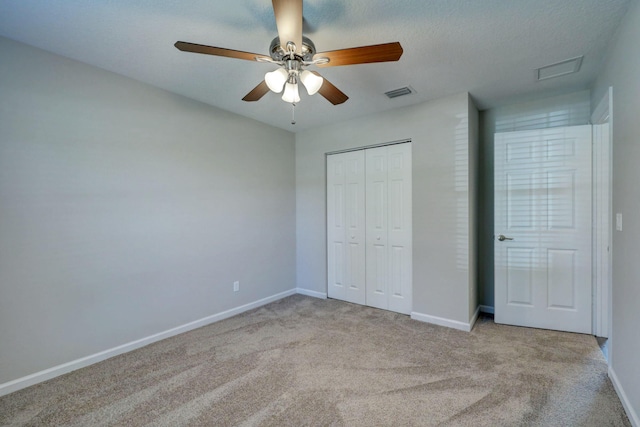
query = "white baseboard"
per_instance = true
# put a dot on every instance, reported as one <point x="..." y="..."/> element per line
<point x="487" y="309"/>
<point x="47" y="374"/>
<point x="309" y="293"/>
<point x="629" y="409"/>
<point x="474" y="318"/>
<point x="441" y="321"/>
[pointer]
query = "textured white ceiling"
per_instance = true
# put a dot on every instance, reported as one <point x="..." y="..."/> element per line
<point x="489" y="48"/>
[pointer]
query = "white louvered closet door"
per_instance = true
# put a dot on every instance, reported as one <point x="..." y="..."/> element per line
<point x="380" y="275"/>
<point x="346" y="226"/>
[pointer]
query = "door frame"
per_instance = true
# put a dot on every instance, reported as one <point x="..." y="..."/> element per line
<point x="602" y="217"/>
<point x="363" y="147"/>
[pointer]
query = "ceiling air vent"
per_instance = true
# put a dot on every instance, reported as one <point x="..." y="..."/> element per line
<point x="558" y="69"/>
<point x="399" y="92"/>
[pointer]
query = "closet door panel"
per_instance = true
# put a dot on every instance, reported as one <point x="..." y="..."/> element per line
<point x="346" y="227"/>
<point x="355" y="227"/>
<point x="377" y="261"/>
<point x="399" y="228"/>
<point x="335" y="227"/>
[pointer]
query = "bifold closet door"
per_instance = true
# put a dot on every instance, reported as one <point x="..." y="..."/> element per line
<point x="346" y="226"/>
<point x="388" y="228"/>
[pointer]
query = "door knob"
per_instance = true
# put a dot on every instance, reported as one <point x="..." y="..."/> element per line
<point x="353" y="236"/>
<point x="378" y="238"/>
<point x="502" y="238"/>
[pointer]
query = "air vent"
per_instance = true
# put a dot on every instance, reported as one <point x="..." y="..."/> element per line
<point x="558" y="69"/>
<point x="399" y="92"/>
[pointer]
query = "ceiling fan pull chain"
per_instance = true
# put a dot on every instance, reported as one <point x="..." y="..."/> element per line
<point x="293" y="113"/>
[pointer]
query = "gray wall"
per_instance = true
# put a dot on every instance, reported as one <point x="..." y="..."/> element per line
<point x="443" y="246"/>
<point x="571" y="109"/>
<point x="126" y="210"/>
<point x="622" y="72"/>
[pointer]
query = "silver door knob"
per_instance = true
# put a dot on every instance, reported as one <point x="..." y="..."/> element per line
<point x="353" y="236"/>
<point x="502" y="238"/>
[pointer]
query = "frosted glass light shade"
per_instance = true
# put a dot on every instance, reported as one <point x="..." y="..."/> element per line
<point x="291" y="93"/>
<point x="311" y="82"/>
<point x="276" y="79"/>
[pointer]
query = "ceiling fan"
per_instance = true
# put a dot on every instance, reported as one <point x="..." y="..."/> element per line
<point x="293" y="52"/>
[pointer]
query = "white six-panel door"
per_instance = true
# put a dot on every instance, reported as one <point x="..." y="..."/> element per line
<point x="543" y="203"/>
<point x="388" y="255"/>
<point x="369" y="206"/>
<point x="346" y="226"/>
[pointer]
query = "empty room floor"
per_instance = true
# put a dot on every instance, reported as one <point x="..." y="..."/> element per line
<point x="306" y="361"/>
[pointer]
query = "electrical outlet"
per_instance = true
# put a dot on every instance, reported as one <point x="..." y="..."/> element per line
<point x="236" y="286"/>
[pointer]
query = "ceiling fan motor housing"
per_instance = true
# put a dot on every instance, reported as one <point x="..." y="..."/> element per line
<point x="277" y="53"/>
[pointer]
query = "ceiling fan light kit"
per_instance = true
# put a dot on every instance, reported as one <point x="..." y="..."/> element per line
<point x="291" y="94"/>
<point x="291" y="51"/>
<point x="311" y="82"/>
<point x="291" y="71"/>
<point x="276" y="79"/>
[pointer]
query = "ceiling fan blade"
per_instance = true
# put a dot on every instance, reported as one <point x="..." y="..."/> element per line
<point x="362" y="55"/>
<point x="217" y="51"/>
<point x="257" y="92"/>
<point x="288" y="15"/>
<point x="330" y="92"/>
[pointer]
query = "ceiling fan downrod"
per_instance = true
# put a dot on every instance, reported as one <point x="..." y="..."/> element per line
<point x="293" y="113"/>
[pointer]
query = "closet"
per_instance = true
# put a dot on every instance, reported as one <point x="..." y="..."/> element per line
<point x="369" y="227"/>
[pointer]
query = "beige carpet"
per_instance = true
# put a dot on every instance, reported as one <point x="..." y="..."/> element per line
<point x="309" y="362"/>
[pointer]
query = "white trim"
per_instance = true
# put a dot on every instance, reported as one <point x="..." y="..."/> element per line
<point x="441" y="321"/>
<point x="487" y="309"/>
<point x="474" y="318"/>
<point x="602" y="217"/>
<point x="602" y="111"/>
<point x="310" y="293"/>
<point x="367" y="147"/>
<point x="631" y="413"/>
<point x="47" y="374"/>
<point x="601" y="227"/>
